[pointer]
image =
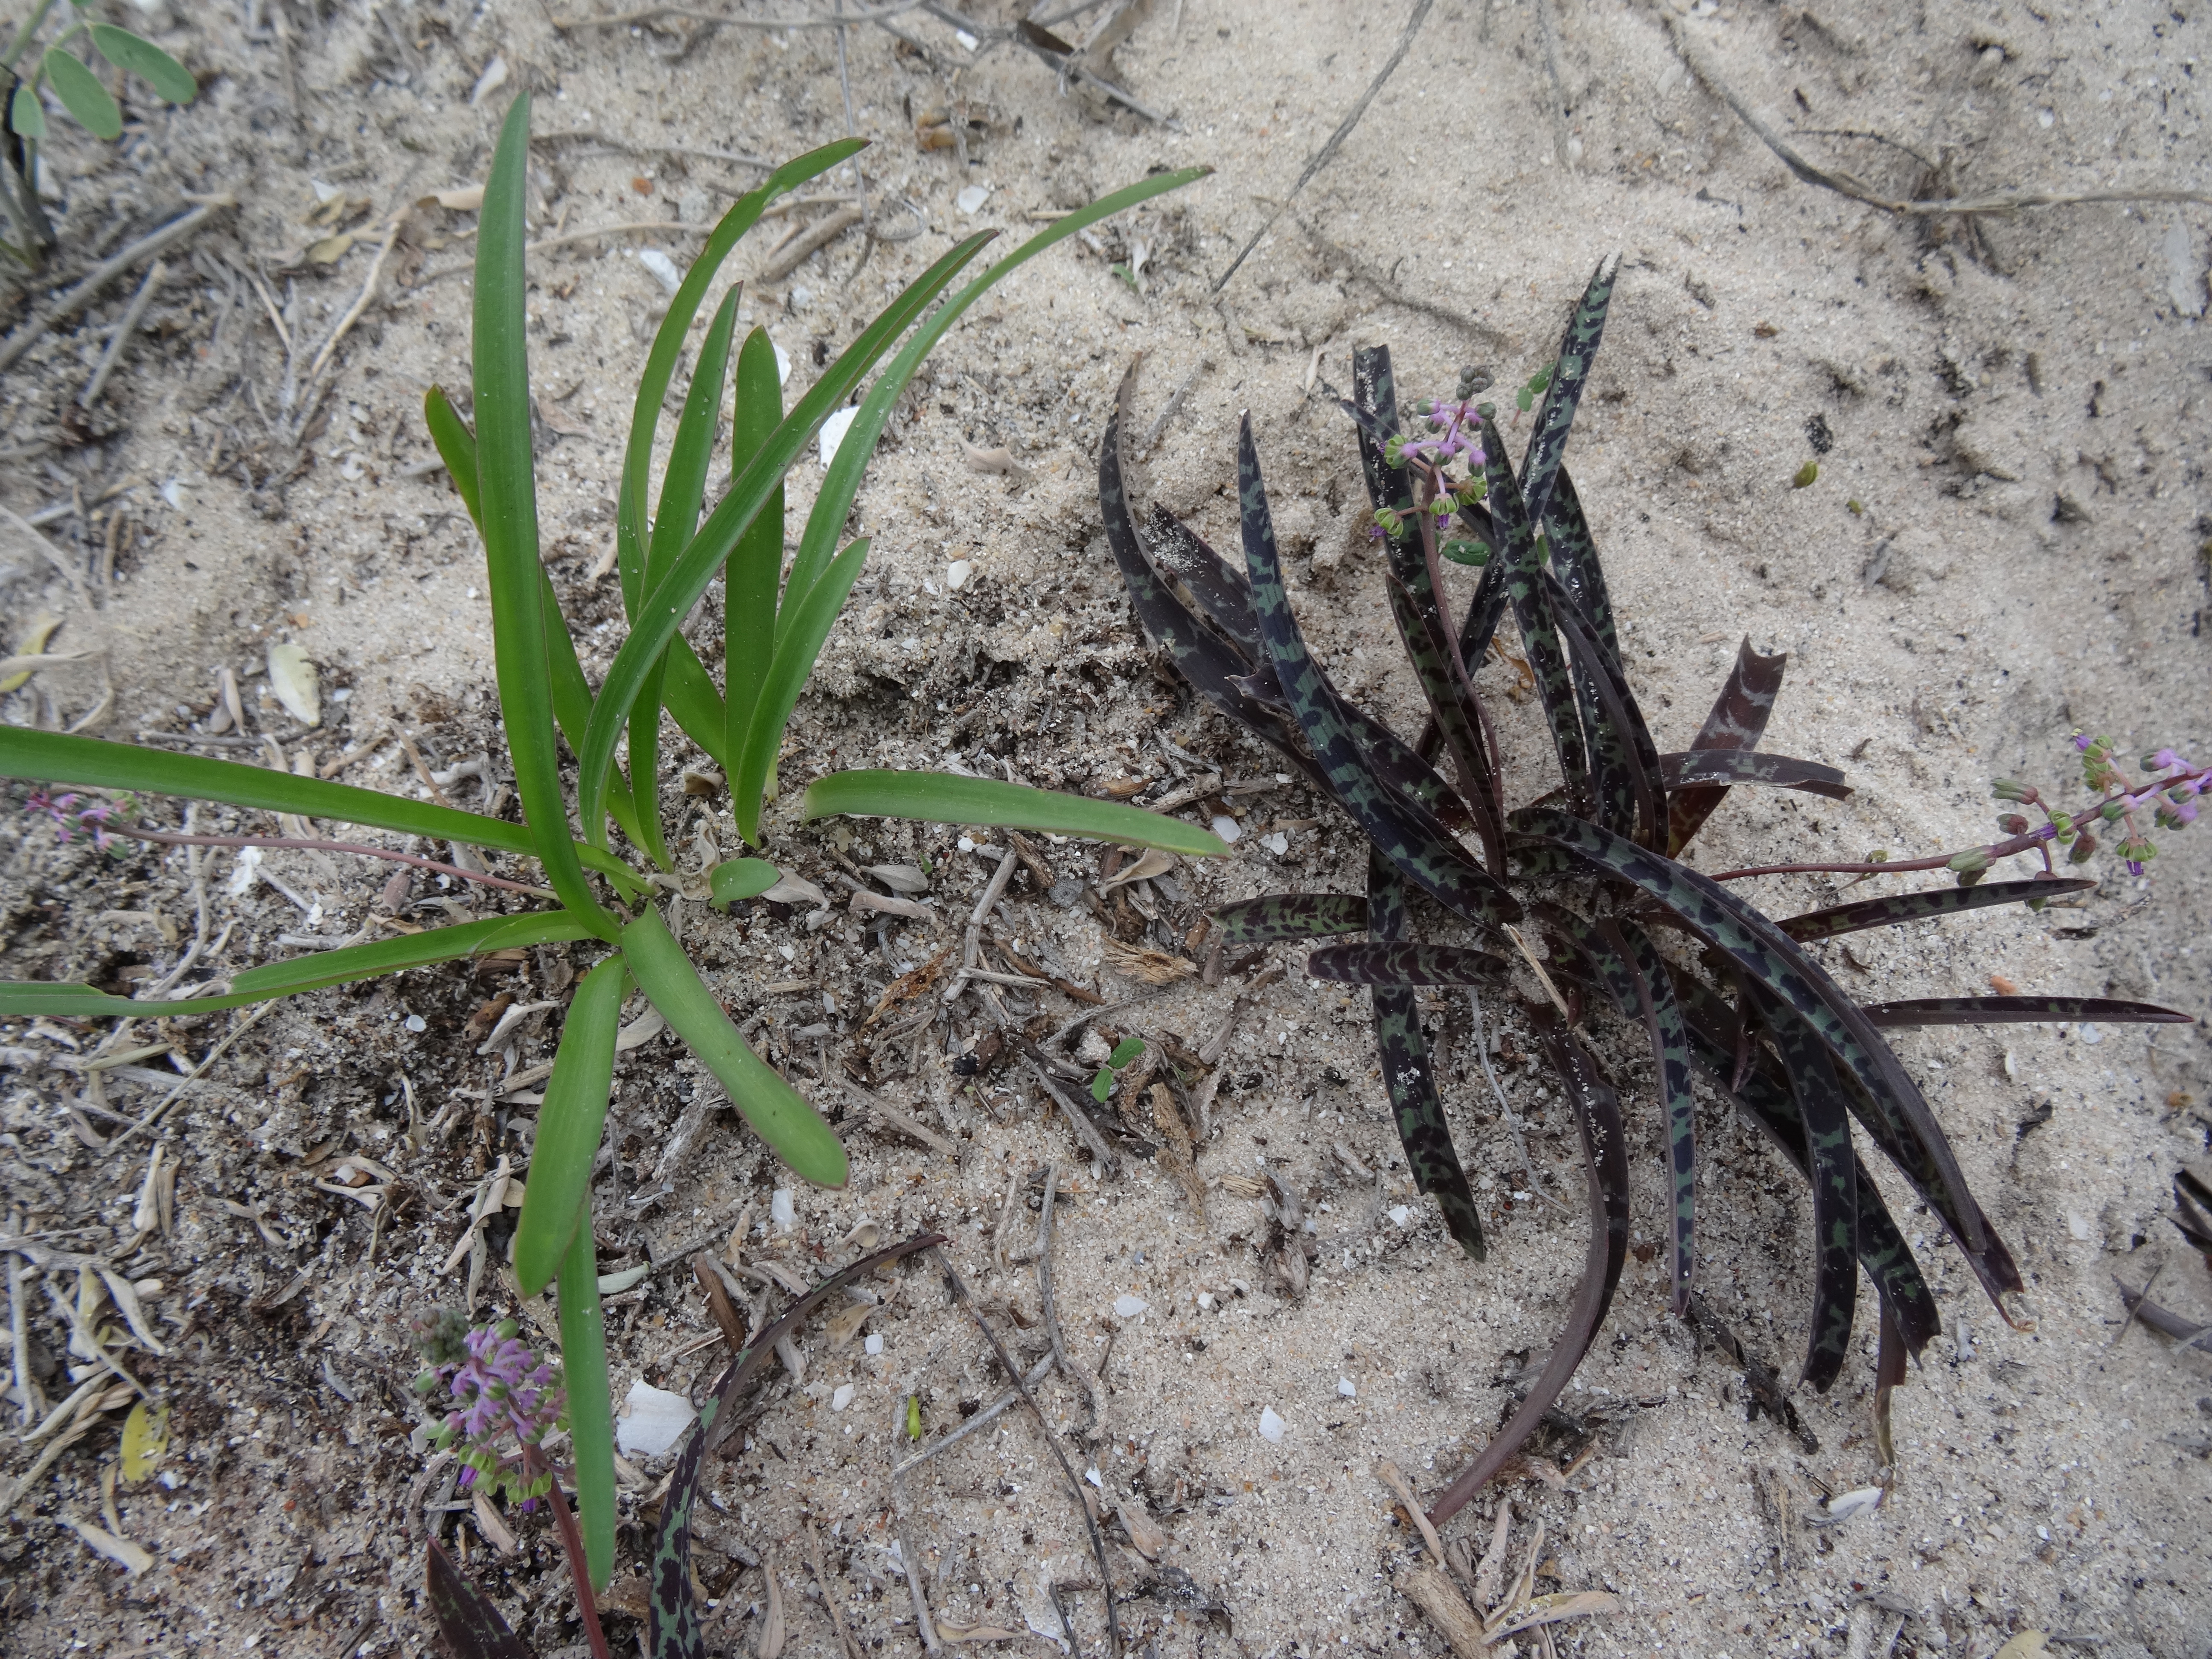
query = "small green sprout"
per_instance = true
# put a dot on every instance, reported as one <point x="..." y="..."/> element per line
<point x="914" y="1417"/>
<point x="1806" y="475"/>
<point x="1102" y="1085"/>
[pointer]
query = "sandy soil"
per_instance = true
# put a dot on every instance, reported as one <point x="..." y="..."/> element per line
<point x="2015" y="409"/>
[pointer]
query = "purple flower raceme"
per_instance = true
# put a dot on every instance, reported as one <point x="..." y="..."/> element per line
<point x="499" y="1387"/>
<point x="2170" y="797"/>
<point x="69" y="818"/>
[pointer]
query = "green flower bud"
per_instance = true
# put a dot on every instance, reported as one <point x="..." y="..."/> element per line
<point x="2111" y="811"/>
<point x="2012" y="789"/>
<point x="2012" y="823"/>
<point x="1973" y="860"/>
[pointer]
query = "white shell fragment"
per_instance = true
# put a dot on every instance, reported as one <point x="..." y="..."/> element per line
<point x="652" y="1420"/>
<point x="628" y="1278"/>
<point x="1227" y="828"/>
<point x="957" y="573"/>
<point x="1128" y="1307"/>
<point x="1845" y="1505"/>
<point x="1347" y="1387"/>
<point x="493" y="78"/>
<point x="782" y="1209"/>
<point x="842" y="1398"/>
<point x="292" y="678"/>
<point x="662" y="267"/>
<point x="1271" y="1427"/>
<point x="971" y="200"/>
<point x="1401" y="1213"/>
<point x="873" y="1346"/>
<point x="833" y="434"/>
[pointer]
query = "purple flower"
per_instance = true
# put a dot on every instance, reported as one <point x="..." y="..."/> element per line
<point x="2166" y="757"/>
<point x="499" y="1387"/>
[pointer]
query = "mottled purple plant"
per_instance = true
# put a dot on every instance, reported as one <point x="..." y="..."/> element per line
<point x="499" y="1386"/>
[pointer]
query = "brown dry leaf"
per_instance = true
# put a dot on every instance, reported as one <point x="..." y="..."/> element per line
<point x="1144" y="964"/>
<point x="2028" y="1644"/>
<point x="958" y="1634"/>
<point x="626" y="1596"/>
<point x="1123" y="788"/>
<point x="1149" y="1537"/>
<point x="1243" y="1186"/>
<point x="771" y="1643"/>
<point x="908" y="985"/>
<point x="1153" y="863"/>
<point x="847" y="1325"/>
<point x="494" y="1529"/>
<point x="1179" y="1154"/>
<point x="467" y="200"/>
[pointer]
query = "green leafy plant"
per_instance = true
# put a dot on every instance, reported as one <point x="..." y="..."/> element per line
<point x="1592" y="869"/>
<point x="82" y="95"/>
<point x="1124" y="1052"/>
<point x="775" y="625"/>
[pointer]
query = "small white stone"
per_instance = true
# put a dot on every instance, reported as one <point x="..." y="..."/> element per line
<point x="1347" y="1387"/>
<point x="1401" y="1213"/>
<point x="782" y="1210"/>
<point x="971" y="200"/>
<point x="2089" y="1034"/>
<point x="416" y="1023"/>
<point x="662" y="267"/>
<point x="1205" y="1301"/>
<point x="1271" y="1427"/>
<point x="1278" y="843"/>
<point x="968" y="42"/>
<point x="782" y="365"/>
<point x="842" y="1398"/>
<point x="957" y="573"/>
<point x="833" y="434"/>
<point x="1227" y="828"/>
<point x="1128" y="1307"/>
<point x="873" y="1345"/>
<point x="653" y="1419"/>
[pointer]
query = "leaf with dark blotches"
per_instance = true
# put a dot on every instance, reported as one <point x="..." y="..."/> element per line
<point x="1605" y="1165"/>
<point x="1670" y="1046"/>
<point x="1575" y="562"/>
<point x="471" y="1625"/>
<point x="1900" y="907"/>
<point x="2015" y="1010"/>
<point x="672" y="1629"/>
<point x="1548" y="442"/>
<point x="1763" y="1093"/>
<point x="1625" y="764"/>
<point x="1420" y="848"/>
<point x="1776" y="961"/>
<point x="1409" y="1078"/>
<point x="1273" y="917"/>
<point x="1532" y="608"/>
<point x="1223" y="595"/>
<point x="1696" y="768"/>
<point x="1737" y="721"/>
<point x="1453" y="715"/>
<point x="1408" y="963"/>
<point x="1833" y="1173"/>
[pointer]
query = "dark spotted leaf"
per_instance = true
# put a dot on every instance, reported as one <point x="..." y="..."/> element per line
<point x="1696" y="767"/>
<point x="1737" y="721"/>
<point x="1408" y="1076"/>
<point x="1833" y="1172"/>
<point x="1407" y="964"/>
<point x="471" y="1625"/>
<point x="1605" y="1165"/>
<point x="1523" y="562"/>
<point x="1900" y="907"/>
<point x="1547" y="440"/>
<point x="1624" y="764"/>
<point x="1223" y="595"/>
<point x="1273" y="917"/>
<point x="2015" y="1010"/>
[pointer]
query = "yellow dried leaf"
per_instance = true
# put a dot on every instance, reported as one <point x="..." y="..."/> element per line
<point x="33" y="644"/>
<point x="145" y="1438"/>
<point x="331" y="249"/>
<point x="131" y="1557"/>
<point x="461" y="201"/>
<point x="847" y="1325"/>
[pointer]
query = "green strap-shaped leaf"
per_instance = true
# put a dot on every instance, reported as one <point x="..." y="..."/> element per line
<point x="1274" y="917"/>
<point x="316" y="971"/>
<point x="1737" y="721"/>
<point x="1408" y="1078"/>
<point x="1417" y="845"/>
<point x="2015" y="1011"/>
<point x="591" y="1402"/>
<point x="82" y="96"/>
<point x="471" y="1624"/>
<point x="1408" y="962"/>
<point x="658" y="616"/>
<point x="683" y="488"/>
<point x="1532" y="610"/>
<point x="508" y="487"/>
<point x="1770" y="956"/>
<point x="793" y="1130"/>
<point x="25" y="115"/>
<point x="1547" y="440"/>
<point x="633" y="499"/>
<point x="1901" y="908"/>
<point x="741" y="878"/>
<point x="570" y="691"/>
<point x="797" y="646"/>
<point x="170" y="80"/>
<point x="750" y="580"/>
<point x="941" y="798"/>
<point x="1605" y="1165"/>
<point x="570" y="1124"/>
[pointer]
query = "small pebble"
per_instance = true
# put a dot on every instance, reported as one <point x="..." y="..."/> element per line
<point x="842" y="1398"/>
<point x="956" y="573"/>
<point x="2090" y="1034"/>
<point x="1401" y="1213"/>
<point x="1347" y="1387"/>
<point x="873" y="1345"/>
<point x="971" y="200"/>
<point x="782" y="1210"/>
<point x="1227" y="828"/>
<point x="416" y="1023"/>
<point x="1271" y="1427"/>
<point x="1128" y="1307"/>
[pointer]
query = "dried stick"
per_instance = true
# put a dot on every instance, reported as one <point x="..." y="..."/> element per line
<point x="1085" y="1130"/>
<point x="1695" y="53"/>
<point x="1097" y="1541"/>
<point x="32" y="1403"/>
<point x="812" y="19"/>
<point x="1327" y="151"/>
<point x="972" y="943"/>
<point x="83" y="294"/>
<point x="1548" y="30"/>
<point x="132" y="316"/>
<point x="355" y="311"/>
<point x="1391" y="1476"/>
<point x="982" y="1418"/>
<point x="821" y="1578"/>
<point x="1092" y="1430"/>
<point x="191" y="1077"/>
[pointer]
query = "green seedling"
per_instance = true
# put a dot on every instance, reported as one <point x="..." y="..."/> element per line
<point x="1124" y="1051"/>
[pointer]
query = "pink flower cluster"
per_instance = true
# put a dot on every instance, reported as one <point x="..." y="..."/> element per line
<point x="62" y="808"/>
<point x="499" y="1386"/>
